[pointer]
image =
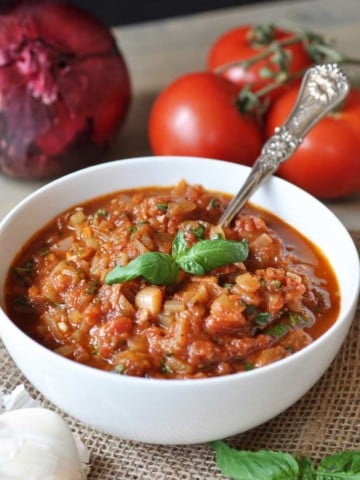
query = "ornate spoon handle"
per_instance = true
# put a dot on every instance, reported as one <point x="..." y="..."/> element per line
<point x="323" y="87"/>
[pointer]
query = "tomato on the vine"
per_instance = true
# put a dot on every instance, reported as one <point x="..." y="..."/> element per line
<point x="327" y="163"/>
<point x="196" y="115"/>
<point x="244" y="43"/>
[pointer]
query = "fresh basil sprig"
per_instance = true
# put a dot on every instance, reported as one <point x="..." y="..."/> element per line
<point x="273" y="465"/>
<point x="163" y="269"/>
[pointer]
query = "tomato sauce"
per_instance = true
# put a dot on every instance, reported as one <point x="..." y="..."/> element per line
<point x="234" y="318"/>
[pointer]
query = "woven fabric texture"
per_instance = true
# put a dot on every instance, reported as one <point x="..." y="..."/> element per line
<point x="324" y="421"/>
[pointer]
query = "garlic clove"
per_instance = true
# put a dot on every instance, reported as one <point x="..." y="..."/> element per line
<point x="18" y="398"/>
<point x="36" y="444"/>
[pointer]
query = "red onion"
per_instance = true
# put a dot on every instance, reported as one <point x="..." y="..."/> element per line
<point x="64" y="89"/>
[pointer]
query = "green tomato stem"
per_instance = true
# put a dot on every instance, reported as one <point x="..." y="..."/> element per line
<point x="318" y="50"/>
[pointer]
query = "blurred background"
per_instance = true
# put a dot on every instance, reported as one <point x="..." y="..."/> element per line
<point x="115" y="12"/>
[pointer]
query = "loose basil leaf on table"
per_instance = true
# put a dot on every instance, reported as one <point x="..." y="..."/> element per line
<point x="259" y="465"/>
<point x="306" y="469"/>
<point x="274" y="465"/>
<point x="342" y="465"/>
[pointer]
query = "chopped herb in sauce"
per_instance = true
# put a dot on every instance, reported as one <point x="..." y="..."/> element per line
<point x="199" y="231"/>
<point x="214" y="203"/>
<point x="163" y="207"/>
<point x="248" y="366"/>
<point x="101" y="212"/>
<point x="262" y="318"/>
<point x="25" y="269"/>
<point x="92" y="287"/>
<point x="299" y="320"/>
<point x="278" y="330"/>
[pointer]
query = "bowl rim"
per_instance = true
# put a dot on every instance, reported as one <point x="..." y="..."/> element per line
<point x="101" y="375"/>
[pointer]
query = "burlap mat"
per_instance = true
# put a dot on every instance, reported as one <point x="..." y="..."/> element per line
<point x="324" y="421"/>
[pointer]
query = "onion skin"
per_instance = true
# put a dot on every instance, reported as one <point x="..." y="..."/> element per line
<point x="64" y="89"/>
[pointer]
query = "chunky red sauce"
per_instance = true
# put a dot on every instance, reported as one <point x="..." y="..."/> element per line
<point x="237" y="317"/>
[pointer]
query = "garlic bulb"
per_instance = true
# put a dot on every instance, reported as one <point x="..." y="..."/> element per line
<point x="36" y="444"/>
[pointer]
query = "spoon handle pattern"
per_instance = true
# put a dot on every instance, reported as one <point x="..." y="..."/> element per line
<point x="322" y="89"/>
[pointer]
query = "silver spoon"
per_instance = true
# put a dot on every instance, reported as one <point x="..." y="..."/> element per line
<point x="323" y="88"/>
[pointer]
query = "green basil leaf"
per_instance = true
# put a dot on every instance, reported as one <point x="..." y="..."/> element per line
<point x="156" y="267"/>
<point x="306" y="469"/>
<point x="191" y="266"/>
<point x="200" y="258"/>
<point x="179" y="246"/>
<point x="260" y="465"/>
<point x="211" y="254"/>
<point x="340" y="466"/>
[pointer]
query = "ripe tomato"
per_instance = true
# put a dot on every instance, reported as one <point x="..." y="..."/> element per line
<point x="327" y="163"/>
<point x="196" y="115"/>
<point x="242" y="43"/>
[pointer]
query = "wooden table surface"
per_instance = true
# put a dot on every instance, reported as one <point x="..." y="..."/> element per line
<point x="158" y="52"/>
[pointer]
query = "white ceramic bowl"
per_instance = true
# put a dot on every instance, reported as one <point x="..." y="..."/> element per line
<point x="178" y="411"/>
